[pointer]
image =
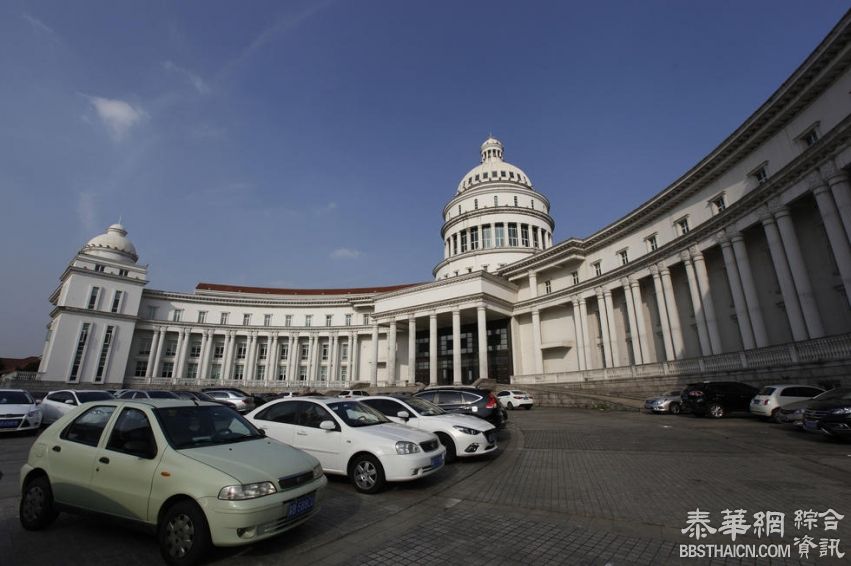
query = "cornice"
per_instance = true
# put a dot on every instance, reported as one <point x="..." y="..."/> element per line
<point x="490" y="277"/>
<point x="480" y="252"/>
<point x="493" y="210"/>
<point x="101" y="275"/>
<point x="490" y="188"/>
<point x="221" y="300"/>
<point x="279" y="331"/>
<point x="388" y="316"/>
<point x="91" y="312"/>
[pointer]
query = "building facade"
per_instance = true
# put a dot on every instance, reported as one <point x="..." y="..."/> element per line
<point x="747" y="251"/>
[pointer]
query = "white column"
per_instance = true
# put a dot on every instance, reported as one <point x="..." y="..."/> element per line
<point x="841" y="189"/>
<point x="537" y="354"/>
<point x="159" y="356"/>
<point x="292" y="358"/>
<point x="230" y="347"/>
<point x="630" y="315"/>
<point x="482" y="332"/>
<point x="784" y="277"/>
<point x="533" y="284"/>
<point x="272" y="358"/>
<point x="182" y="348"/>
<point x="663" y="314"/>
<point x="354" y="358"/>
<point x="706" y="300"/>
<point x="579" y="346"/>
<point x="635" y="287"/>
<point x="760" y="336"/>
<point x="391" y="353"/>
<point x="332" y="357"/>
<point x="412" y="349"/>
<point x="673" y="312"/>
<point x="613" y="332"/>
<point x="432" y="349"/>
<point x="456" y="346"/>
<point x="700" y="319"/>
<point x="156" y="337"/>
<point x="206" y="346"/>
<point x="738" y="293"/>
<point x="251" y="361"/>
<point x="586" y="335"/>
<point x="800" y="277"/>
<point x="604" y="327"/>
<point x="836" y="235"/>
<point x="374" y="368"/>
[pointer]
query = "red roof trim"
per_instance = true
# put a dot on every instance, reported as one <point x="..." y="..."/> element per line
<point x="275" y="291"/>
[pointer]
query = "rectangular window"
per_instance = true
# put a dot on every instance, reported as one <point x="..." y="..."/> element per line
<point x="116" y="301"/>
<point x="463" y="241"/>
<point x="496" y="198"/>
<point x="515" y="202"/>
<point x="262" y="351"/>
<point x="512" y="234"/>
<point x="195" y="350"/>
<point x="652" y="243"/>
<point x="548" y="287"/>
<point x="475" y="204"/>
<point x="348" y="320"/>
<point x="259" y="372"/>
<point x="170" y="347"/>
<point x="324" y="352"/>
<point x="122" y="273"/>
<point x="344" y="351"/>
<point x="80" y="350"/>
<point x="177" y="315"/>
<point x="202" y="317"/>
<point x="682" y="226"/>
<point x="718" y="204"/>
<point x="99" y="268"/>
<point x="575" y="276"/>
<point x="238" y="371"/>
<point x="760" y="174"/>
<point x="282" y="373"/>
<point x="304" y="351"/>
<point x="535" y="237"/>
<point x="93" y="298"/>
<point x="328" y="319"/>
<point x="624" y="257"/>
<point x="454" y="244"/>
<point x="141" y="368"/>
<point x="246" y="319"/>
<point x="288" y="320"/>
<point x="366" y="319"/>
<point x="323" y="373"/>
<point x="285" y="350"/>
<point x="344" y="373"/>
<point x="524" y="235"/>
<point x="219" y="351"/>
<point x="192" y="371"/>
<point x="152" y="313"/>
<point x="486" y="236"/>
<point x="104" y="353"/>
<point x="810" y="137"/>
<point x="267" y="320"/>
<point x="308" y="319"/>
<point x="241" y="350"/>
<point x="302" y="373"/>
<point x="474" y="238"/>
<point x="223" y="319"/>
<point x="216" y="371"/>
<point x="168" y="369"/>
<point x="145" y="347"/>
<point x="598" y="268"/>
<point x="499" y="235"/>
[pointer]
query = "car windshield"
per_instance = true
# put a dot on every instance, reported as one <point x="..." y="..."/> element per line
<point x="838" y="393"/>
<point x="204" y="425"/>
<point x="424" y="408"/>
<point x="87" y="396"/>
<point x="15" y="398"/>
<point x="357" y="414"/>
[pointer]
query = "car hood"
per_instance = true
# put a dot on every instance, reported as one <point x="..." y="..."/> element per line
<point x="827" y="405"/>
<point x="395" y="432"/>
<point x="663" y="398"/>
<point x="468" y="421"/>
<point x="254" y="460"/>
<point x="16" y="409"/>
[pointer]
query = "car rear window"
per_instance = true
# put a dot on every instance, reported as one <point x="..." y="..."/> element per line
<point x="766" y="391"/>
<point x="15" y="398"/>
<point x="87" y="396"/>
<point x="162" y="395"/>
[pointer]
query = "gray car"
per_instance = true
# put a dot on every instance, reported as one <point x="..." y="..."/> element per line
<point x="665" y="403"/>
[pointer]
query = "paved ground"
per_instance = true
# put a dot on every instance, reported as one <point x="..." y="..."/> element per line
<point x="569" y="487"/>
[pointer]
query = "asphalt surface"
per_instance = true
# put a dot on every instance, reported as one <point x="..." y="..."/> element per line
<point x="567" y="487"/>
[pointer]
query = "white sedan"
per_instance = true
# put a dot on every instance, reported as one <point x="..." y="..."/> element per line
<point x="351" y="439"/>
<point x="18" y="411"/>
<point x="462" y="435"/>
<point x="58" y="403"/>
<point x="512" y="398"/>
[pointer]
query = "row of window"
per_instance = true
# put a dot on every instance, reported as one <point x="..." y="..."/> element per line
<point x="495" y="176"/>
<point x="495" y="203"/>
<point x="80" y="350"/>
<point x="167" y="370"/>
<point x="494" y="237"/>
<point x="100" y="268"/>
<point x="95" y="296"/>
<point x="241" y="350"/>
<point x="224" y="318"/>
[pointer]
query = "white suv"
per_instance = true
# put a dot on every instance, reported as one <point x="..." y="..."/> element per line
<point x="462" y="435"/>
<point x="351" y="439"/>
<point x="58" y="403"/>
<point x="771" y="398"/>
<point x="512" y="398"/>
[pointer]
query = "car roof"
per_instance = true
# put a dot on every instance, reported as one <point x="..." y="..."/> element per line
<point x="16" y="390"/>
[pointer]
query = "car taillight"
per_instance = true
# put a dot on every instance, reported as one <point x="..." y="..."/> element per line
<point x="765" y="402"/>
<point x="491" y="401"/>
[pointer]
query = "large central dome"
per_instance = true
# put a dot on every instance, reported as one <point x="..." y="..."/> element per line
<point x="493" y="169"/>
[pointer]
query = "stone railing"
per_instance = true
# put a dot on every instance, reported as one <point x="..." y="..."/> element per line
<point x="258" y="386"/>
<point x="831" y="348"/>
<point x="22" y="376"/>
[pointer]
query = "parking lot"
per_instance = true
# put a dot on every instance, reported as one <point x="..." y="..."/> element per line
<point x="568" y="487"/>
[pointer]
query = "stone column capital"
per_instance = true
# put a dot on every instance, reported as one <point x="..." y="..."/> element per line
<point x="696" y="254"/>
<point x="633" y="281"/>
<point x="780" y="211"/>
<point x="481" y="307"/>
<point x="625" y="282"/>
<point x="654" y="271"/>
<point x="828" y="169"/>
<point x="685" y="256"/>
<point x="814" y="181"/>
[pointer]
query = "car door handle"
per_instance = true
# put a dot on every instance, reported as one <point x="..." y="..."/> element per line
<point x="103" y="460"/>
<point x="300" y="433"/>
<point x="57" y="449"/>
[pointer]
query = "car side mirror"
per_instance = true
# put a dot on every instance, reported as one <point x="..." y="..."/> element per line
<point x="70" y="402"/>
<point x="403" y="415"/>
<point x="262" y="431"/>
<point x="38" y="401"/>
<point x="327" y="425"/>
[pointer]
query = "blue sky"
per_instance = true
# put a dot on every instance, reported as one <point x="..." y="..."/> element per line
<point x="314" y="144"/>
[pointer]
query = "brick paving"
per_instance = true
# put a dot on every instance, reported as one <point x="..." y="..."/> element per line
<point x="569" y="487"/>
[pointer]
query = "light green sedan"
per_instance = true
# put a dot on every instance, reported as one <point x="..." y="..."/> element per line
<point x="197" y="473"/>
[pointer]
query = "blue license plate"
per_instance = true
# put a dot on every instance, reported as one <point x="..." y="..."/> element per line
<point x="437" y="461"/>
<point x="9" y="423"/>
<point x="301" y="505"/>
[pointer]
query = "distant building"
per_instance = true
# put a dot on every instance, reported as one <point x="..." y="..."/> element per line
<point x="747" y="250"/>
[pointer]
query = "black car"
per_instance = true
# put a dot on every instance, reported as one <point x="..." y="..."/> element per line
<point x="718" y="398"/>
<point x="830" y="413"/>
<point x="480" y="403"/>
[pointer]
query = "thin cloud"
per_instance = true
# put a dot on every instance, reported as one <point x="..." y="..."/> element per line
<point x="41" y="27"/>
<point x="327" y="209"/>
<point x="86" y="210"/>
<point x="117" y="115"/>
<point x="345" y="253"/>
<point x="194" y="79"/>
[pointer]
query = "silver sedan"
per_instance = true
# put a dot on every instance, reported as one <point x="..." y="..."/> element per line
<point x="665" y="403"/>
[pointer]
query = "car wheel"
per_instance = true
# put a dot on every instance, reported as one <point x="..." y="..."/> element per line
<point x="449" y="444"/>
<point x="183" y="534"/>
<point x="716" y="411"/>
<point x="36" y="511"/>
<point x="674" y="408"/>
<point x="366" y="474"/>
<point x="510" y="406"/>
<point x="775" y="415"/>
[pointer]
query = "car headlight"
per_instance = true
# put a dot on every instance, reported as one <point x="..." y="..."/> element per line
<point x="247" y="491"/>
<point x="403" y="447"/>
<point x="841" y="411"/>
<point x="33" y="414"/>
<point x="317" y="471"/>
<point x="466" y="430"/>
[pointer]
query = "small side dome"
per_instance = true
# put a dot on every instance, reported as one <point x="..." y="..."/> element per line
<point x="112" y="245"/>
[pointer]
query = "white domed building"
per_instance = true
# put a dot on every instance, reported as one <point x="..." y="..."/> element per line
<point x="740" y="269"/>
